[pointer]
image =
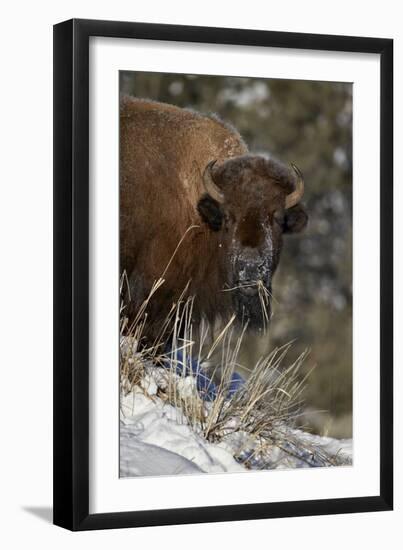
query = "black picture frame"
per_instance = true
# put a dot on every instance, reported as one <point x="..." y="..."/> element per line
<point x="71" y="274"/>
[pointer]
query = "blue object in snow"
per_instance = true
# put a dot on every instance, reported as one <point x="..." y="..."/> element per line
<point x="236" y="383"/>
<point x="205" y="386"/>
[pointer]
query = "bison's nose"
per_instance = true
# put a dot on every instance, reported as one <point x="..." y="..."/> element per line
<point x="250" y="268"/>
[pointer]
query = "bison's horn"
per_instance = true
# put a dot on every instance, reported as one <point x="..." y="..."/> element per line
<point x="293" y="198"/>
<point x="212" y="189"/>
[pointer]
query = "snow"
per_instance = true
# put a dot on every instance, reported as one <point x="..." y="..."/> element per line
<point x="142" y="459"/>
<point x="157" y="439"/>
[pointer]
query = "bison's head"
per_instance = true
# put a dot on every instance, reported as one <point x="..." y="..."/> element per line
<point x="250" y="202"/>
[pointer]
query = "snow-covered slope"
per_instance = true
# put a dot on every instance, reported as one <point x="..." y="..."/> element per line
<point x="155" y="436"/>
<point x="157" y="439"/>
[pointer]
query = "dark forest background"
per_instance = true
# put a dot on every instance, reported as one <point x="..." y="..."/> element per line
<point x="310" y="124"/>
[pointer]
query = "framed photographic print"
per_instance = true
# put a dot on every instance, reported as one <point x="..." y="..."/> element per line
<point x="223" y="319"/>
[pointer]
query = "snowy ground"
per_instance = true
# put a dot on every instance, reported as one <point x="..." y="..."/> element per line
<point x="156" y="439"/>
<point x="155" y="436"/>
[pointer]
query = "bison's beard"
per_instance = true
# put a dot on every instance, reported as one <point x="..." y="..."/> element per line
<point x="254" y="309"/>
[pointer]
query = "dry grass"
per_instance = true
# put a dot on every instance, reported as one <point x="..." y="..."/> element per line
<point x="264" y="409"/>
<point x="264" y="298"/>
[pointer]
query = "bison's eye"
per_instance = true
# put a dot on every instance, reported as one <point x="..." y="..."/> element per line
<point x="278" y="217"/>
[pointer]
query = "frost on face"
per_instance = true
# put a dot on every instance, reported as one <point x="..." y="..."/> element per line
<point x="249" y="281"/>
<point x="249" y="265"/>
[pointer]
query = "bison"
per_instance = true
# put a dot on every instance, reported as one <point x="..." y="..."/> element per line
<point x="200" y="211"/>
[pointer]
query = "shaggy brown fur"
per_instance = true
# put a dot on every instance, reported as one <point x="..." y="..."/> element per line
<point x="163" y="153"/>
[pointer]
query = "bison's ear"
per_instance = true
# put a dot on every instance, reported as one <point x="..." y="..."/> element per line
<point x="210" y="212"/>
<point x="295" y="219"/>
